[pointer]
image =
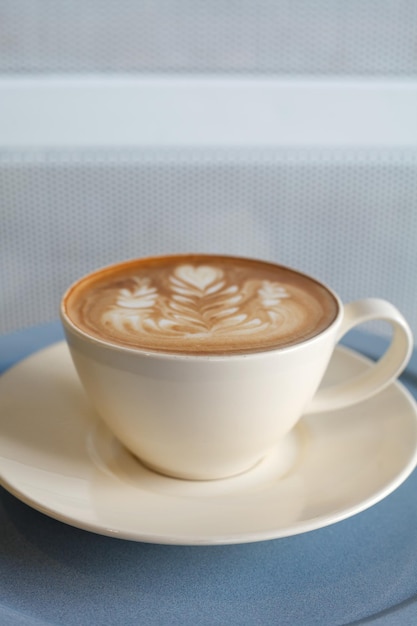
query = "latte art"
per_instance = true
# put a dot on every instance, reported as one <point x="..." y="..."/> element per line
<point x="198" y="304"/>
<point x="201" y="303"/>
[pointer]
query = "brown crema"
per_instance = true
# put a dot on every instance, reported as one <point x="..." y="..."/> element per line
<point x="200" y="304"/>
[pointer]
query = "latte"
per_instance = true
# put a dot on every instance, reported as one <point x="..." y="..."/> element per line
<point x="200" y="304"/>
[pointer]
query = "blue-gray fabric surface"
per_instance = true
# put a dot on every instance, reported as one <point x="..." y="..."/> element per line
<point x="362" y="570"/>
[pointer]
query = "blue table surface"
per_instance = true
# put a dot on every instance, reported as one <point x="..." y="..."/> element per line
<point x="360" y="571"/>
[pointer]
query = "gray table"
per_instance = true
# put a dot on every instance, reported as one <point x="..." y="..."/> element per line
<point x="361" y="570"/>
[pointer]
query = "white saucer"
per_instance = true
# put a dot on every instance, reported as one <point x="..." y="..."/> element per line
<point x="59" y="458"/>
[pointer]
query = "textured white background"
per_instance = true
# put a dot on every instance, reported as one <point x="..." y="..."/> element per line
<point x="73" y="198"/>
<point x="259" y="36"/>
<point x="349" y="219"/>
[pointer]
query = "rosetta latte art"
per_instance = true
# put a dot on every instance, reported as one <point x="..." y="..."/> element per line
<point x="199" y="300"/>
<point x="200" y="305"/>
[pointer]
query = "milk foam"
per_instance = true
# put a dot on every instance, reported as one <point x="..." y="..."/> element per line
<point x="202" y="302"/>
<point x="208" y="307"/>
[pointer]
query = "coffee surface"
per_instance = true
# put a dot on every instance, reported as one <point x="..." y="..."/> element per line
<point x="200" y="304"/>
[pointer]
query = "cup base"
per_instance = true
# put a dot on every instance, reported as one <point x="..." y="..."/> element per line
<point x="282" y="455"/>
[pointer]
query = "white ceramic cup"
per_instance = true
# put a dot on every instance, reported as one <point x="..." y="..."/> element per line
<point x="209" y="417"/>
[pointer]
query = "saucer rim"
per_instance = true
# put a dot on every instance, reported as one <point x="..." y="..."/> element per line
<point x="296" y="528"/>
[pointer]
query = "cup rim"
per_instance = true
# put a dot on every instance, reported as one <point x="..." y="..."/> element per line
<point x="168" y="354"/>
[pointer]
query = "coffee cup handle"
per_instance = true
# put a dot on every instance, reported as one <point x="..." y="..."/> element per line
<point x="379" y="375"/>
